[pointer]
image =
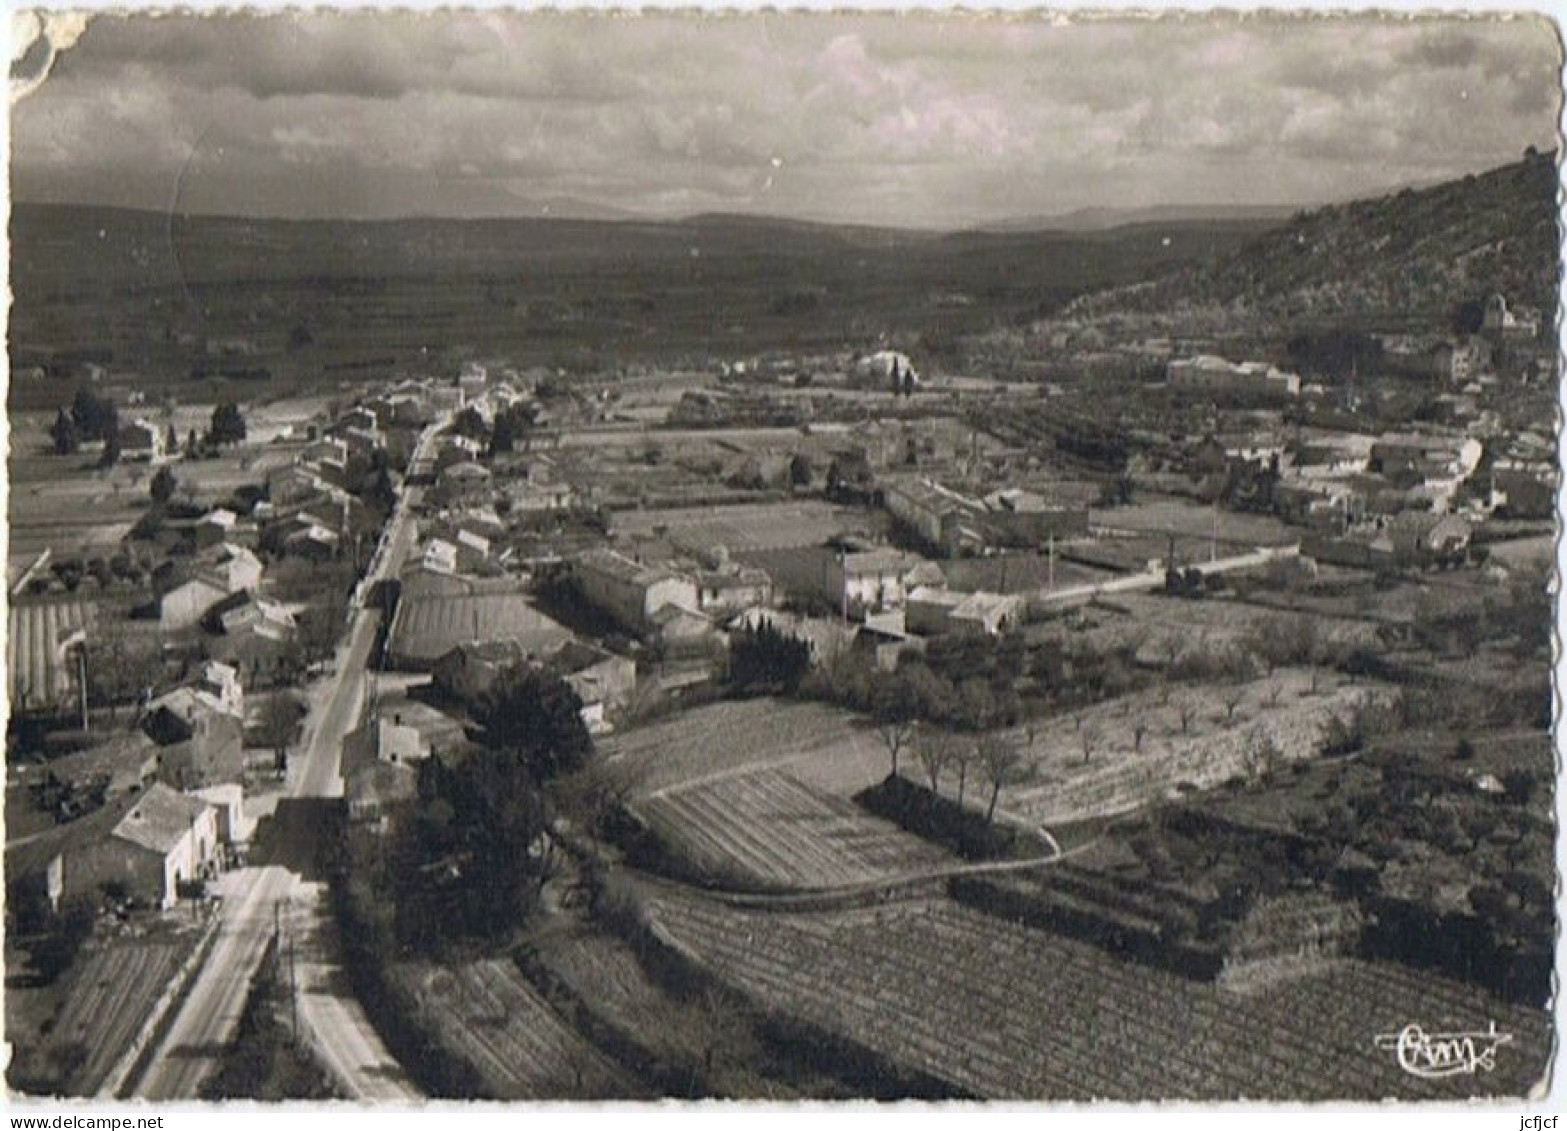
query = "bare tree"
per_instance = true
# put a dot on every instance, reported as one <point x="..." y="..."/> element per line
<point x="1139" y="728"/>
<point x="1088" y="738"/>
<point x="896" y="734"/>
<point x="1003" y="765"/>
<point x="1186" y="711"/>
<point x="962" y="756"/>
<point x="1232" y="698"/>
<point x="934" y="753"/>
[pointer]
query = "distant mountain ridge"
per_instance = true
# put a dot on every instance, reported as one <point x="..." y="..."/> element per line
<point x="1413" y="252"/>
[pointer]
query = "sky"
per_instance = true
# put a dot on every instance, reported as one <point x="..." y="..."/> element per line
<point x="920" y="120"/>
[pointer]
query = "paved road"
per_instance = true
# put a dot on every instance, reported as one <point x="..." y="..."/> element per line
<point x="256" y="899"/>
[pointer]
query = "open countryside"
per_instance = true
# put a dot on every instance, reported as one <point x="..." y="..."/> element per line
<point x="984" y="654"/>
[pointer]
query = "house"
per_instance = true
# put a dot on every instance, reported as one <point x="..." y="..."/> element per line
<point x="295" y="483"/>
<point x="936" y="612"/>
<point x="246" y="614"/>
<point x="532" y="496"/>
<point x="472" y="382"/>
<point x="464" y="483"/>
<point x="473" y="550"/>
<point x="201" y="743"/>
<point x="216" y="687"/>
<point x="439" y="556"/>
<point x="163" y="840"/>
<point x="124" y="764"/>
<point x="186" y="603"/>
<point x="215" y="527"/>
<point x="228" y="802"/>
<point x="628" y="591"/>
<point x="941" y="517"/>
<point x="314" y="542"/>
<point x="382" y="740"/>
<point x="726" y="591"/>
<point x="325" y="448"/>
<point x="1427" y="539"/>
<point x="602" y="680"/>
<point x="1207" y="373"/>
<point x="1506" y="326"/>
<point x="884" y="367"/>
<point x="141" y="441"/>
<point x="856" y="581"/>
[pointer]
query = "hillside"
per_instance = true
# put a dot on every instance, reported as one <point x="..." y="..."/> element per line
<point x="301" y="301"/>
<point x="1413" y="254"/>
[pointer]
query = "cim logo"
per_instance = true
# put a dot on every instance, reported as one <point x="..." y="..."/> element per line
<point x="1432" y="1056"/>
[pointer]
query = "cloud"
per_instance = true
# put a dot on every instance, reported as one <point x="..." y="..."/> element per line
<point x="938" y="119"/>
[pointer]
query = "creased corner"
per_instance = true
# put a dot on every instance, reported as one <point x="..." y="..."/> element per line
<point x="37" y="40"/>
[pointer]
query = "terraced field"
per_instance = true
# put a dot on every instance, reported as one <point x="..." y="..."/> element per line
<point x="823" y="746"/>
<point x="1116" y="772"/>
<point x="491" y="1018"/>
<point x="767" y="828"/>
<point x="111" y="995"/>
<point x="1002" y="1011"/>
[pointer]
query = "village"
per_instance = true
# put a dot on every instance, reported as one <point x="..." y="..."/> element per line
<point x="854" y="538"/>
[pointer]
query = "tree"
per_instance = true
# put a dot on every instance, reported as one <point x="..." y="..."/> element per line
<point x="163" y="485"/>
<point x="65" y="434"/>
<point x="537" y="717"/>
<point x="962" y="756"/>
<point x="895" y="708"/>
<point x="1186" y="710"/>
<point x="1232" y="698"/>
<point x="1002" y="763"/>
<point x="111" y="444"/>
<point x="227" y="425"/>
<point x="1088" y="738"/>
<point x="471" y="854"/>
<point x="95" y="417"/>
<point x="764" y="658"/>
<point x="279" y="719"/>
<point x="800" y="471"/>
<point x="935" y="754"/>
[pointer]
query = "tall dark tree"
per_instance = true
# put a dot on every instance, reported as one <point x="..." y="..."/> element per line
<point x="94" y="415"/>
<point x="765" y="659"/>
<point x="469" y="855"/>
<point x="228" y="424"/>
<point x="66" y="436"/>
<point x="163" y="485"/>
<point x="537" y="717"/>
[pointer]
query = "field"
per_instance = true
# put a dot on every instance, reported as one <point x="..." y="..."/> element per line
<point x="489" y="1017"/>
<point x="1281" y="714"/>
<point x="1018" y="573"/>
<point x="1186" y="625"/>
<point x="1001" y="1011"/>
<point x="1170" y="515"/>
<point x="824" y="747"/>
<point x="744" y="528"/>
<point x="109" y="995"/>
<point x="766" y="827"/>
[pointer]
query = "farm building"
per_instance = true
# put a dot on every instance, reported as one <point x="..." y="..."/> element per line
<point x="427" y="626"/>
<point x="935" y="612"/>
<point x="39" y="639"/>
<point x="163" y="839"/>
<point x="1524" y="489"/>
<point x="201" y="743"/>
<point x="219" y="572"/>
<point x="1210" y="374"/>
<point x="228" y="803"/>
<point x="246" y="614"/>
<point x="857" y="581"/>
<point x="383" y="740"/>
<point x="465" y="483"/>
<point x="630" y="592"/>
<point x="602" y="680"/>
<point x="882" y="368"/>
<point x="124" y="764"/>
<point x="142" y="441"/>
<point x="727" y="591"/>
